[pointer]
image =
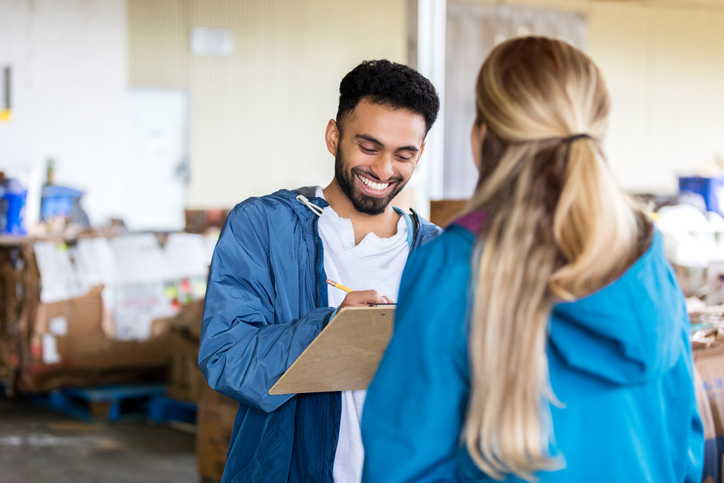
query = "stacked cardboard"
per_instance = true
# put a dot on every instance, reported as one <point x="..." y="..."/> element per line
<point x="215" y="412"/>
<point x="44" y="345"/>
<point x="205" y="221"/>
<point x="11" y="273"/>
<point x="82" y="312"/>
<point x="185" y="380"/>
<point x="709" y="362"/>
<point x="214" y="424"/>
<point x="444" y="212"/>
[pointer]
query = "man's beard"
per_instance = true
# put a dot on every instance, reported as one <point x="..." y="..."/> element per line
<point x="363" y="203"/>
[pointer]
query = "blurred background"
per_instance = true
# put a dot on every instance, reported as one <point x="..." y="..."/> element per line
<point x="129" y="128"/>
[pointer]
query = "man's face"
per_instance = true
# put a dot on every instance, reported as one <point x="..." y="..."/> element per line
<point x="377" y="153"/>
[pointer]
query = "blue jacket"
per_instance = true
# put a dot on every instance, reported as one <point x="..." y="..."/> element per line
<point x="266" y="301"/>
<point x="619" y="360"/>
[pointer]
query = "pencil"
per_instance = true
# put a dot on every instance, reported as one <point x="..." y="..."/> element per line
<point x="339" y="286"/>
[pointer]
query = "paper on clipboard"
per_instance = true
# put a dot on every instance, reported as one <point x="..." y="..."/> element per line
<point x="344" y="356"/>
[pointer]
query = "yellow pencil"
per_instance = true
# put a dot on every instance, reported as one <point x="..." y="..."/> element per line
<point x="339" y="286"/>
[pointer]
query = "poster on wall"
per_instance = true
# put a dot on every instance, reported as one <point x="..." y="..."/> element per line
<point x="212" y="42"/>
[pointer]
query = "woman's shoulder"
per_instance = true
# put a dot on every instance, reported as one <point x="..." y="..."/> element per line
<point x="454" y="246"/>
<point x="442" y="267"/>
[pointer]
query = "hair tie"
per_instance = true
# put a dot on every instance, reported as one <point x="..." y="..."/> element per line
<point x="570" y="139"/>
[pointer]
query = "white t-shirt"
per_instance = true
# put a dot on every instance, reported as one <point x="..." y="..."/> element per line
<point x="374" y="264"/>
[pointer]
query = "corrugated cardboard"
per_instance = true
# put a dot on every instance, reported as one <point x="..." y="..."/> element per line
<point x="344" y="356"/>
<point x="443" y="212"/>
<point x="186" y="380"/>
<point x="215" y="422"/>
<point x="43" y="346"/>
<point x="709" y="378"/>
<point x="200" y="221"/>
<point x="83" y="353"/>
<point x="10" y="311"/>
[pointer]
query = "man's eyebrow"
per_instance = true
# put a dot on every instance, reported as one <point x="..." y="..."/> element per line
<point x="369" y="138"/>
<point x="376" y="141"/>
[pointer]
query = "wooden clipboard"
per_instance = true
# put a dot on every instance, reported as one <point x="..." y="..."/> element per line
<point x="344" y="356"/>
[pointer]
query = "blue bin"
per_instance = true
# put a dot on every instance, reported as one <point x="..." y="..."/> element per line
<point x="58" y="201"/>
<point x="711" y="189"/>
<point x="12" y="208"/>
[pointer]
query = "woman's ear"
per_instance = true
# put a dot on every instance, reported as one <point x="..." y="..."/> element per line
<point x="483" y="131"/>
<point x="477" y="136"/>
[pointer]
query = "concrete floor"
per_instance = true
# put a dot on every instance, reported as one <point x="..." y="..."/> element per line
<point x="38" y="445"/>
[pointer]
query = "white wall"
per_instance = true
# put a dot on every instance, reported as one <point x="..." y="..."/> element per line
<point x="665" y="71"/>
<point x="258" y="116"/>
<point x="663" y="61"/>
<point x="69" y="75"/>
<point x="257" y="119"/>
<point x="473" y="30"/>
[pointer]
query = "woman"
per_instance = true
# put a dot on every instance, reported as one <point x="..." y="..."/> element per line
<point x="543" y="335"/>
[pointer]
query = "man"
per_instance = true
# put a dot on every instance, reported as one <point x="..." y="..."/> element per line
<point x="267" y="298"/>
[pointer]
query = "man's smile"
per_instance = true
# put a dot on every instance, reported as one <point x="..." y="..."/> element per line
<point x="373" y="185"/>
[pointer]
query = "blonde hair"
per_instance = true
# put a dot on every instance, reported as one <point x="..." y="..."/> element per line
<point x="557" y="227"/>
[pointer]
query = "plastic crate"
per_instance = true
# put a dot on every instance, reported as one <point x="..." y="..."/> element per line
<point x="711" y="189"/>
<point x="58" y="201"/>
<point x="12" y="208"/>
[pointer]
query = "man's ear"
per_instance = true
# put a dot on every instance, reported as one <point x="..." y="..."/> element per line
<point x="331" y="137"/>
<point x="419" y="153"/>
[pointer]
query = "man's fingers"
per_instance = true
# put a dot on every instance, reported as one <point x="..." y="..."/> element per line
<point x="360" y="298"/>
<point x="368" y="296"/>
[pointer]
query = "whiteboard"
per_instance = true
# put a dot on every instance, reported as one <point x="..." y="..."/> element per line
<point x="159" y="159"/>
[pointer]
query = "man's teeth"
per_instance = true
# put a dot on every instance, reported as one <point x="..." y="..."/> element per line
<point x="373" y="185"/>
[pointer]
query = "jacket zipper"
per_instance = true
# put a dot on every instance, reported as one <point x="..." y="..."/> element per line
<point x="319" y="302"/>
<point x="336" y="432"/>
<point x="415" y="227"/>
<point x="316" y="259"/>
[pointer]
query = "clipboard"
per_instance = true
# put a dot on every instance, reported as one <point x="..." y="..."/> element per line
<point x="344" y="356"/>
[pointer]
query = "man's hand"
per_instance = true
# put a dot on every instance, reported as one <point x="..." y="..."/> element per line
<point x="363" y="298"/>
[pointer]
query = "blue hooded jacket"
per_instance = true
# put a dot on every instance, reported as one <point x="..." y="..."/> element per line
<point x="619" y="360"/>
<point x="266" y="301"/>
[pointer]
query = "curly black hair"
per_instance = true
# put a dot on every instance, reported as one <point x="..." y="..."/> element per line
<point x="390" y="84"/>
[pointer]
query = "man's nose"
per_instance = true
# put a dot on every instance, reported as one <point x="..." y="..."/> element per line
<point x="384" y="167"/>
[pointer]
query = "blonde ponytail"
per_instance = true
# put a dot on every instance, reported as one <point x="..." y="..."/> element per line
<point x="591" y="227"/>
<point x="557" y="228"/>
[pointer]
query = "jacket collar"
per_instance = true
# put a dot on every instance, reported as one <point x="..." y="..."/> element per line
<point x="307" y="196"/>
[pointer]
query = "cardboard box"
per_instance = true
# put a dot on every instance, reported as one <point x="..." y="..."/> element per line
<point x="443" y="212"/>
<point x="213" y="437"/>
<point x="200" y="221"/>
<point x="709" y="379"/>
<point x="10" y="311"/>
<point x="186" y="380"/>
<point x="214" y="424"/>
<point x="65" y="342"/>
<point x="69" y="346"/>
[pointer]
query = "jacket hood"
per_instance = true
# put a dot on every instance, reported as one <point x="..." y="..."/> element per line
<point x="628" y="332"/>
